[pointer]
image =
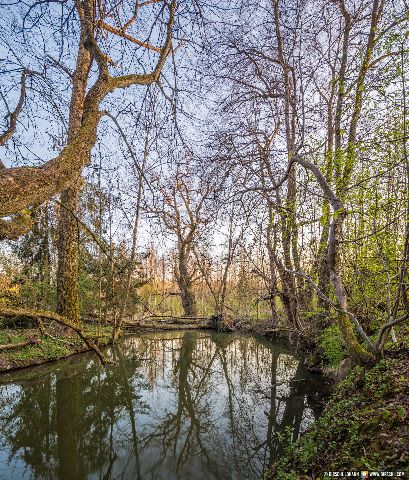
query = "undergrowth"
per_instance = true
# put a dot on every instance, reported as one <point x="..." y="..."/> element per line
<point x="363" y="427"/>
<point x="47" y="349"/>
<point x="332" y="346"/>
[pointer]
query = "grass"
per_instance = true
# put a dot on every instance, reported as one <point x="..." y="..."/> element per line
<point x="48" y="349"/>
<point x="11" y="337"/>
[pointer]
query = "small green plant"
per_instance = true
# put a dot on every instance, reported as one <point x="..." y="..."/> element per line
<point x="332" y="345"/>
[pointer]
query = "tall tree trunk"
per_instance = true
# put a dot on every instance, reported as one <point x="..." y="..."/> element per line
<point x="289" y="297"/>
<point x="271" y="250"/>
<point x="221" y="303"/>
<point x="291" y="287"/>
<point x="184" y="282"/>
<point x="266" y="171"/>
<point x="68" y="303"/>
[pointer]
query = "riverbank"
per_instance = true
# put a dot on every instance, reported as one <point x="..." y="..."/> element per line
<point x="364" y="425"/>
<point x="27" y="347"/>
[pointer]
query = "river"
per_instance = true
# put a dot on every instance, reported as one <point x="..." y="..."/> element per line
<point x="174" y="405"/>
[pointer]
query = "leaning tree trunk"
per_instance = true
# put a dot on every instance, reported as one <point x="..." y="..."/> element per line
<point x="68" y="302"/>
<point x="346" y="320"/>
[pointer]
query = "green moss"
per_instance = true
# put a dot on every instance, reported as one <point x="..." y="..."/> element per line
<point x="47" y="349"/>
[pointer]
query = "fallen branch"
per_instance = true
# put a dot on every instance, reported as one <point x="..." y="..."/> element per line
<point x="39" y="314"/>
<point x="170" y="326"/>
<point x="10" y="346"/>
<point x="175" y="319"/>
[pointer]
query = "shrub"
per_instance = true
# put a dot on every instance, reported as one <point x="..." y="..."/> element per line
<point x="332" y="346"/>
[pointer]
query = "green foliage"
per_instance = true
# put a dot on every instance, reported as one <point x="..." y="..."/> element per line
<point x="47" y="349"/>
<point x="89" y="293"/>
<point x="17" y="322"/>
<point x="332" y="346"/>
<point x="362" y="426"/>
<point x="39" y="293"/>
<point x="11" y="337"/>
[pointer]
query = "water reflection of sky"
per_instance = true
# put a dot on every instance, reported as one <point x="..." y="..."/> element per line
<point x="182" y="405"/>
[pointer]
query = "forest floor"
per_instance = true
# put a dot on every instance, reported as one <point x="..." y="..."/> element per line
<point x="42" y="348"/>
<point x="364" y="426"/>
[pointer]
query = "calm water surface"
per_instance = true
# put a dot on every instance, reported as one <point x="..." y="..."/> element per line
<point x="178" y="405"/>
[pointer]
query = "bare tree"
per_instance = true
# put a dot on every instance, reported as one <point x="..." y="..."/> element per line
<point x="180" y="203"/>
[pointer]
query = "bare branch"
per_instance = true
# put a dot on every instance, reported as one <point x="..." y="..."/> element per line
<point x="13" y="116"/>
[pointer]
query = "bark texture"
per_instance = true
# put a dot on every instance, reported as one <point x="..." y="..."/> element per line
<point x="68" y="301"/>
<point x="32" y="186"/>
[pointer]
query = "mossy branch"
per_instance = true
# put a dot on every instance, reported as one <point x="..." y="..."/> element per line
<point x="44" y="314"/>
<point x="31" y="186"/>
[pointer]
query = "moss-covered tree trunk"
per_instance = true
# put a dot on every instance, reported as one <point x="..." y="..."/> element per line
<point x="68" y="302"/>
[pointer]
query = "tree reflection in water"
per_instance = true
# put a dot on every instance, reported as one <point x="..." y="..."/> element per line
<point x="177" y="405"/>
